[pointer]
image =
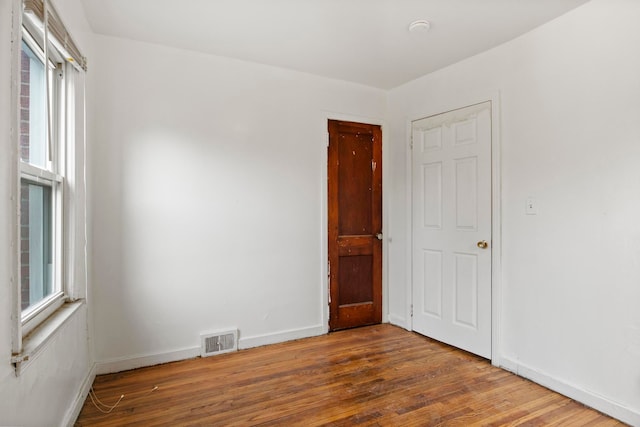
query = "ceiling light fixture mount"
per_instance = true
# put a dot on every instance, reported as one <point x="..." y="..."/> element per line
<point x="419" y="26"/>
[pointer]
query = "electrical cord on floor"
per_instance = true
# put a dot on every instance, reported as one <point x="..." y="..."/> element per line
<point x="109" y="408"/>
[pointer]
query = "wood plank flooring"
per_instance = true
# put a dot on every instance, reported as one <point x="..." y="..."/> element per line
<point x="375" y="376"/>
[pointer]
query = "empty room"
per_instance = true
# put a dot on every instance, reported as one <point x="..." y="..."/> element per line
<point x="312" y="212"/>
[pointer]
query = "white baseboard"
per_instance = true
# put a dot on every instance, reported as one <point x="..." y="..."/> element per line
<point x="398" y="321"/>
<point x="72" y="413"/>
<point x="292" y="334"/>
<point x="142" y="360"/>
<point x="505" y="363"/>
<point x="588" y="398"/>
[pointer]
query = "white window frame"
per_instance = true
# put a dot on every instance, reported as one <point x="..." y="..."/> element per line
<point x="33" y="327"/>
<point x="51" y="176"/>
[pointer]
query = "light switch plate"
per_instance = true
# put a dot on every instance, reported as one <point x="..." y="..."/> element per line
<point x="531" y="207"/>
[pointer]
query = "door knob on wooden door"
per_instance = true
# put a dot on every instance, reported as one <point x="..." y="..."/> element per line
<point x="482" y="244"/>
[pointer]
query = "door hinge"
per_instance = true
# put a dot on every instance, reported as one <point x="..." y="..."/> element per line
<point x="329" y="281"/>
<point x="328" y="136"/>
<point x="411" y="311"/>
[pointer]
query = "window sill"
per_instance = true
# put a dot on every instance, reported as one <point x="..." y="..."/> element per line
<point x="36" y="340"/>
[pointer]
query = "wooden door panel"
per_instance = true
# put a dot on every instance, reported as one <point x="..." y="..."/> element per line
<point x="355" y="278"/>
<point x="355" y="219"/>
<point x="354" y="183"/>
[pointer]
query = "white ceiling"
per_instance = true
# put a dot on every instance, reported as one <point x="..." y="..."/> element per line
<point x="363" y="41"/>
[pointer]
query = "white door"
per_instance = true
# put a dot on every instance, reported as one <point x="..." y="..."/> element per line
<point x="452" y="228"/>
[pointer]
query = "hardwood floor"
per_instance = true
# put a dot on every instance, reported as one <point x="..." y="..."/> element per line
<point x="379" y="375"/>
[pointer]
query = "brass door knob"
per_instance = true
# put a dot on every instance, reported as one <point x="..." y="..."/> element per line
<point x="482" y="244"/>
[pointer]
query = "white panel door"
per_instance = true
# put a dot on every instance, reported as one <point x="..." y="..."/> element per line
<point x="452" y="228"/>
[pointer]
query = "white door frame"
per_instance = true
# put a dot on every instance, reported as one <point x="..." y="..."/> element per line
<point x="496" y="211"/>
<point x="324" y="217"/>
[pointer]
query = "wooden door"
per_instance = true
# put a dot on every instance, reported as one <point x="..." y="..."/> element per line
<point x="355" y="224"/>
<point x="452" y="228"/>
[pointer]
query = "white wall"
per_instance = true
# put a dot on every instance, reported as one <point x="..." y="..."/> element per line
<point x="570" y="130"/>
<point x="208" y="198"/>
<point x="46" y="392"/>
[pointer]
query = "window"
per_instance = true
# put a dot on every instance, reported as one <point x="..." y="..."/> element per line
<point x="49" y="126"/>
<point x="41" y="181"/>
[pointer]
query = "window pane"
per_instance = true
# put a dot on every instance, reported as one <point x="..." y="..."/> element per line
<point x="36" y="243"/>
<point x="33" y="141"/>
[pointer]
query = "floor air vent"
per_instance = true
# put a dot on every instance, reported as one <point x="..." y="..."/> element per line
<point x="218" y="343"/>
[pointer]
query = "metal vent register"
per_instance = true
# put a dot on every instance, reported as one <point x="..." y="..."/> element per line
<point x="218" y="343"/>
